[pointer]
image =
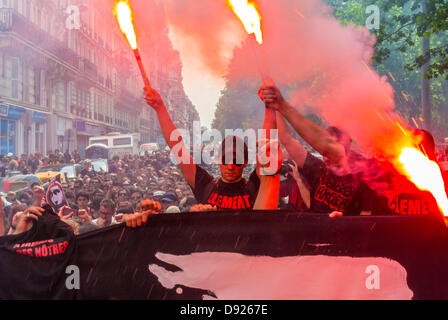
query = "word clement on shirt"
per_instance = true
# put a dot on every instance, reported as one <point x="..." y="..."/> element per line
<point x="410" y="206"/>
<point x="226" y="202"/>
<point x="40" y="249"/>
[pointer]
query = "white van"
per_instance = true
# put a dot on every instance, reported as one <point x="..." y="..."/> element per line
<point x="118" y="144"/>
<point x="150" y="147"/>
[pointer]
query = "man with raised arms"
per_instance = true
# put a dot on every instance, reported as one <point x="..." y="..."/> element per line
<point x="231" y="191"/>
<point x="334" y="187"/>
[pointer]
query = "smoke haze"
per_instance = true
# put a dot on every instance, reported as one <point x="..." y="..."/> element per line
<point x="305" y="47"/>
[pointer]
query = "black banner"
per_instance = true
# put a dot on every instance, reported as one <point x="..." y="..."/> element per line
<point x="250" y="256"/>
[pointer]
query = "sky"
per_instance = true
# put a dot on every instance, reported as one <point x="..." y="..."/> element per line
<point x="201" y="86"/>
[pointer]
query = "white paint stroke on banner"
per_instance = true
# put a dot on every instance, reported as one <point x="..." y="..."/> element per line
<point x="233" y="276"/>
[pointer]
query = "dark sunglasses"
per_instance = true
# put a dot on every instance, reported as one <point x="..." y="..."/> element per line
<point x="232" y="162"/>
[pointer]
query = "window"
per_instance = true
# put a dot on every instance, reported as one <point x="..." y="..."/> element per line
<point x="15" y="78"/>
<point x="37" y="87"/>
<point x="31" y="13"/>
<point x="28" y="85"/>
<point x="60" y="90"/>
<point x="74" y="94"/>
<point x="18" y="5"/>
<point x="5" y="84"/>
<point x="103" y="141"/>
<point x="122" y="141"/>
<point x="39" y="137"/>
<point x="8" y="136"/>
<point x="61" y="142"/>
<point x="4" y="4"/>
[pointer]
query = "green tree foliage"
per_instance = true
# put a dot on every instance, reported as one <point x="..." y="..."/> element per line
<point x="399" y="53"/>
<point x="239" y="107"/>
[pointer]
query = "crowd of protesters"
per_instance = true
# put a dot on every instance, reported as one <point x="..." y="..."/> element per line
<point x="97" y="198"/>
<point x="28" y="164"/>
<point x="136" y="186"/>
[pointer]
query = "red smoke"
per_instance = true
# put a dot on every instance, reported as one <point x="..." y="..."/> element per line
<point x="208" y="25"/>
<point x="304" y="47"/>
<point x="326" y="64"/>
<point x="307" y="47"/>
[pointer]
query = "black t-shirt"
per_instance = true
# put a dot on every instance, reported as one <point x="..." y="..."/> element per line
<point x="230" y="196"/>
<point x="34" y="263"/>
<point x="403" y="198"/>
<point x="390" y="193"/>
<point x="330" y="192"/>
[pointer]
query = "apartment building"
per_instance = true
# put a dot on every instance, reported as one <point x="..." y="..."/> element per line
<point x="66" y="74"/>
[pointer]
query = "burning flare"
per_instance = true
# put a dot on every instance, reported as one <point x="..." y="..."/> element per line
<point x="425" y="174"/>
<point x="249" y="16"/>
<point x="124" y="15"/>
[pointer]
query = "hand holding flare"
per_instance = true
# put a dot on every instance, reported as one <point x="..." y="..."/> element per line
<point x="248" y="14"/>
<point x="269" y="181"/>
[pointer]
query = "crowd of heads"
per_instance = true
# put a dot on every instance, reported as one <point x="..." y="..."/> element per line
<point x="105" y="196"/>
<point x="29" y="163"/>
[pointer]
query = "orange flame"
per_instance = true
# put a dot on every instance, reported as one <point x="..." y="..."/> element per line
<point x="249" y="16"/>
<point x="425" y="174"/>
<point x="124" y="16"/>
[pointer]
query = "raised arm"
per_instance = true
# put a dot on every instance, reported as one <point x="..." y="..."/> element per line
<point x="315" y="135"/>
<point x="303" y="189"/>
<point x="295" y="149"/>
<point x="268" y="193"/>
<point x="267" y="198"/>
<point x="169" y="130"/>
